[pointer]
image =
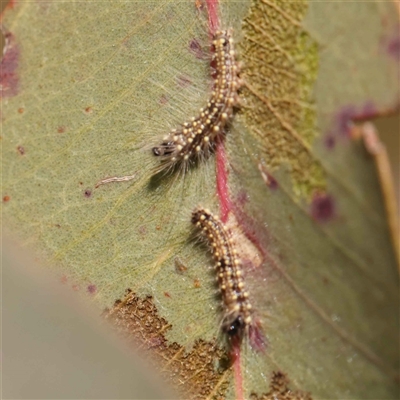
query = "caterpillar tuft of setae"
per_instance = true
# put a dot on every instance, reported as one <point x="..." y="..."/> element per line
<point x="197" y="138"/>
<point x="238" y="313"/>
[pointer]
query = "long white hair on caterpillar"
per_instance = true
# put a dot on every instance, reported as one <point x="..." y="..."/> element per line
<point x="196" y="138"/>
<point x="238" y="318"/>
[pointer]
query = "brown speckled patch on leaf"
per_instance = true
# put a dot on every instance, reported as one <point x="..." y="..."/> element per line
<point x="198" y="373"/>
<point x="280" y="390"/>
<point x="280" y="69"/>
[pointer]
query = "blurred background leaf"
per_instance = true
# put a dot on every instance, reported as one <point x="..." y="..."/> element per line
<point x="53" y="346"/>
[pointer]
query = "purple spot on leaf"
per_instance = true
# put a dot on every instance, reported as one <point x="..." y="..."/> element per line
<point x="391" y="44"/>
<point x="87" y="193"/>
<point x="184" y="81"/>
<point x="368" y="111"/>
<point x="196" y="49"/>
<point x="343" y="121"/>
<point x="143" y="230"/>
<point x="257" y="339"/>
<point x="92" y="288"/>
<point x="329" y="142"/>
<point x="242" y="197"/>
<point x="322" y="207"/>
<point x="164" y="99"/>
<point x="270" y="181"/>
<point x="8" y="67"/>
<point x="199" y="5"/>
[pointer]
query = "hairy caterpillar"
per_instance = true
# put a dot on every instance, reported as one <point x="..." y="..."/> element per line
<point x="197" y="138"/>
<point x="238" y="312"/>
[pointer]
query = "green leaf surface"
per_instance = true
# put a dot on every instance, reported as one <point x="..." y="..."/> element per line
<point x="87" y="88"/>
